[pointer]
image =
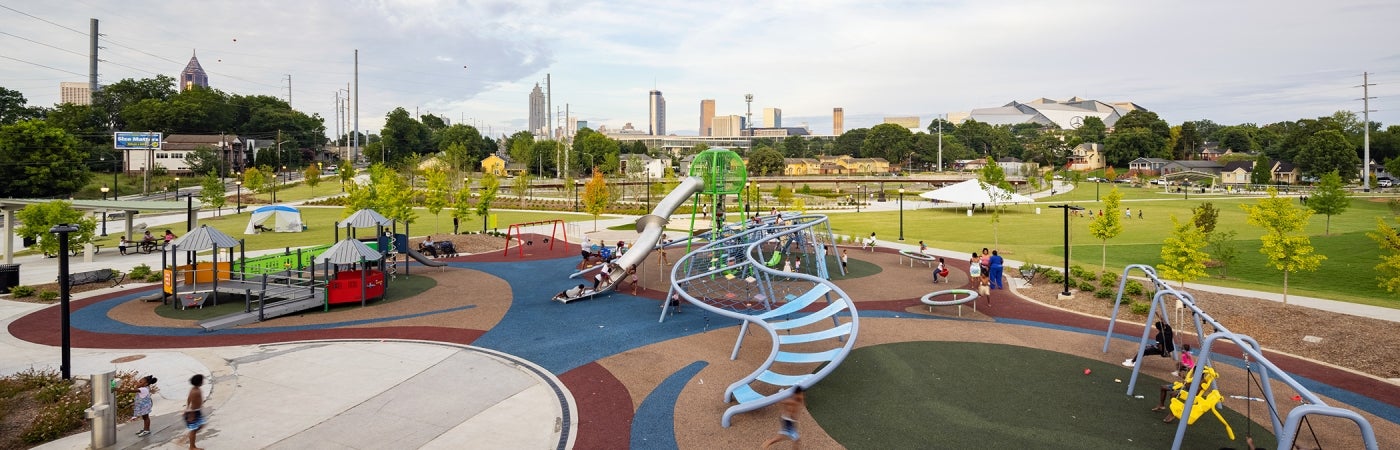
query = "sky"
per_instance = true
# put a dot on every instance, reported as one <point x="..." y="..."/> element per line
<point x="475" y="62"/>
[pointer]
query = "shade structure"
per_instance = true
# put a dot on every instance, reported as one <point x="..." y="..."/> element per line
<point x="364" y="218"/>
<point x="204" y="238"/>
<point x="349" y="251"/>
<point x="975" y="192"/>
<point x="279" y="218"/>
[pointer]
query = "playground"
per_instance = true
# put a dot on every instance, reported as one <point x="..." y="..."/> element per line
<point x="881" y="368"/>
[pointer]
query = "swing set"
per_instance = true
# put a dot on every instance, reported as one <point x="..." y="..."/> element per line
<point x="1203" y="392"/>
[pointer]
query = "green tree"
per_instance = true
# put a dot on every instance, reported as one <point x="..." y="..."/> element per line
<point x="1187" y="142"/>
<point x="255" y="179"/>
<point x="312" y="174"/>
<point x="991" y="176"/>
<point x="394" y="195"/>
<point x="1109" y="225"/>
<point x="1092" y="130"/>
<point x="1125" y="145"/>
<point x="113" y="98"/>
<point x="795" y="147"/>
<point x="38" y="218"/>
<point x="14" y="108"/>
<point x="1223" y="249"/>
<point x="402" y="137"/>
<point x="1239" y="138"/>
<point x="1281" y="219"/>
<point x="1329" y="199"/>
<point x="462" y="205"/>
<point x="850" y="142"/>
<point x="40" y="160"/>
<point x="1388" y="239"/>
<point x="887" y="140"/>
<point x="213" y="192"/>
<point x="596" y="196"/>
<point x="1263" y="170"/>
<point x="783" y="194"/>
<point x="1205" y="217"/>
<point x="346" y="172"/>
<point x="435" y="194"/>
<point x="765" y="161"/>
<point x="520" y="186"/>
<point x="490" y="186"/>
<point x="1182" y="258"/>
<point x="1328" y="151"/>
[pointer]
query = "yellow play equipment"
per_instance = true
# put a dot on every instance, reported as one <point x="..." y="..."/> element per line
<point x="1207" y="399"/>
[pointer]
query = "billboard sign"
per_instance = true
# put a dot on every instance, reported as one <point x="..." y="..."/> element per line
<point x="139" y="140"/>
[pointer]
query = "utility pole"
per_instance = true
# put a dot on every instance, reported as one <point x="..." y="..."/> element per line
<point x="940" y="142"/>
<point x="289" y="89"/>
<point x="1366" y="127"/>
<point x="357" y="104"/>
<point x="92" y="59"/>
<point x="748" y="121"/>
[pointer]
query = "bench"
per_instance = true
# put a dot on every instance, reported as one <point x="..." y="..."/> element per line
<point x="1028" y="274"/>
<point x="928" y="260"/>
<point x="77" y="250"/>
<point x="96" y="276"/>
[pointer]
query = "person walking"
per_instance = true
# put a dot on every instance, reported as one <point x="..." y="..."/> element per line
<point x="996" y="270"/>
<point x="194" y="409"/>
<point x="792" y="407"/>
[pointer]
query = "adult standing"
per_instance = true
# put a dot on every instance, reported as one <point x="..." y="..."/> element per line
<point x="986" y="261"/>
<point x="996" y="269"/>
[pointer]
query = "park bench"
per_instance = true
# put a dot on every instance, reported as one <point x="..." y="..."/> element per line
<point x="1028" y="274"/>
<point x="96" y="276"/>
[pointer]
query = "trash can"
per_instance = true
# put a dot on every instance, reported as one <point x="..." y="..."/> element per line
<point x="9" y="277"/>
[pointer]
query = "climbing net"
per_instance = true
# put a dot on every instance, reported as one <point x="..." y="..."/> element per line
<point x="758" y="266"/>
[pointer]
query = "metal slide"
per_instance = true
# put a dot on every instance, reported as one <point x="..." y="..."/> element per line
<point x="651" y="226"/>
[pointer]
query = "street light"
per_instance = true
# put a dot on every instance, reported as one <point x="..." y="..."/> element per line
<point x="577" y="185"/>
<point x="176" y="193"/>
<point x="901" y="212"/>
<point x="239" y="196"/>
<point x="1067" y="207"/>
<point x="758" y="196"/>
<point x="104" y="211"/>
<point x="748" y="196"/>
<point x="860" y="196"/>
<point x="65" y="363"/>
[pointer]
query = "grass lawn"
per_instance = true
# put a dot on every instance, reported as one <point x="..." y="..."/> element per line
<point x="1348" y="274"/>
<point x="972" y="395"/>
<point x="321" y="226"/>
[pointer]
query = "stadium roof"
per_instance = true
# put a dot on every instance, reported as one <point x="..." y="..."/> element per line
<point x="1067" y="114"/>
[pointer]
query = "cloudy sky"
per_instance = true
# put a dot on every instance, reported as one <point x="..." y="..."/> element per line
<point x="476" y="61"/>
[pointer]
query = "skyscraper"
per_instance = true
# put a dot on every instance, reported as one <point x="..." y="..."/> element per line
<point x="539" y="123"/>
<point x="707" y="117"/>
<point x="838" y="119"/>
<point x="193" y="75"/>
<point x="657" y="113"/>
<point x="772" y="117"/>
<point x="75" y="92"/>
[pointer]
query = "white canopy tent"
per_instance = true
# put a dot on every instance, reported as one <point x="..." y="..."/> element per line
<point x="975" y="192"/>
<point x="278" y="218"/>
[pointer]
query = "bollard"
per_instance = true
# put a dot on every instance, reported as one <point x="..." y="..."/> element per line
<point x="103" y="412"/>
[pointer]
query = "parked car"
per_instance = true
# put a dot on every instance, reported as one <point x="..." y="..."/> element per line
<point x="1160" y="181"/>
<point x="1096" y="180"/>
<point x="1123" y="180"/>
<point x="1385" y="182"/>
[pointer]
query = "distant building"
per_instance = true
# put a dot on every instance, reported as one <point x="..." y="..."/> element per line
<point x="773" y="117"/>
<point x="539" y="124"/>
<point x="730" y="125"/>
<point x="174" y="148"/>
<point x="707" y="117"/>
<point x="1066" y="115"/>
<point x="1087" y="156"/>
<point x="838" y="121"/>
<point x="635" y="165"/>
<point x="1177" y="169"/>
<point x="1237" y="172"/>
<point x="656" y="114"/>
<point x="778" y="131"/>
<point x="1150" y="166"/>
<point x="77" y="93"/>
<point x="193" y="75"/>
<point x="493" y="164"/>
<point x="910" y="122"/>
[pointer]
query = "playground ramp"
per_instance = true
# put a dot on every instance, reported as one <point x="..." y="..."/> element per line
<point x="729" y="277"/>
<point x="289" y="299"/>
<point x="651" y="226"/>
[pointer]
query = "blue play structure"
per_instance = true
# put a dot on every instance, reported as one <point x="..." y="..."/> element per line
<point x="1203" y="395"/>
<point x="731" y="276"/>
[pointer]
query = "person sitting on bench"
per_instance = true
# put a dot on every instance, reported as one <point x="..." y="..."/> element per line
<point x="427" y="246"/>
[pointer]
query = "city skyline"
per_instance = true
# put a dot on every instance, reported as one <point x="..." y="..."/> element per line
<point x="1249" y="61"/>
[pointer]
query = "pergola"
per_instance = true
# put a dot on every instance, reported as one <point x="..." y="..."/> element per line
<point x="9" y="206"/>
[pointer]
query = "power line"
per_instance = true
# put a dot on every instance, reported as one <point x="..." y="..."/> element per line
<point x="44" y="20"/>
<point x="43" y="44"/>
<point x="44" y="66"/>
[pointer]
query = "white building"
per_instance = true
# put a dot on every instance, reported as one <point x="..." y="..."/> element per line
<point x="1066" y="115"/>
<point x="730" y="125"/>
<point x="773" y="117"/>
<point x="77" y="93"/>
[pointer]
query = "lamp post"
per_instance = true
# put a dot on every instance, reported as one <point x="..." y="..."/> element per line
<point x="901" y="212"/>
<point x="176" y="193"/>
<point x="758" y="196"/>
<point x="748" y="196"/>
<point x="577" y="185"/>
<point x="238" y="197"/>
<point x="104" y="212"/>
<point x="65" y="365"/>
<point x="860" y="196"/>
<point x="1067" y="207"/>
<point x="1096" y="189"/>
<point x="189" y="212"/>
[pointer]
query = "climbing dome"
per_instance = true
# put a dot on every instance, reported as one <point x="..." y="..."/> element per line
<point x="723" y="171"/>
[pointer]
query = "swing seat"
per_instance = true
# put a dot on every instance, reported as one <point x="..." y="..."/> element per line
<point x="1207" y="400"/>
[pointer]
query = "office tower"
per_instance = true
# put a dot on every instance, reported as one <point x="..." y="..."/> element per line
<point x="75" y="92"/>
<point x="193" y="75"/>
<point x="707" y="117"/>
<point x="838" y="119"/>
<point x="730" y="125"/>
<point x="656" y="113"/>
<point x="539" y="124"/>
<point x="772" y="117"/>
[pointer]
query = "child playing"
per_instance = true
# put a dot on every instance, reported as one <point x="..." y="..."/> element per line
<point x="142" y="407"/>
<point x="844" y="256"/>
<point x="194" y="408"/>
<point x="1188" y="361"/>
<point x="940" y="271"/>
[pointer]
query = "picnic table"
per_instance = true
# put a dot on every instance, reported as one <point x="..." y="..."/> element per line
<point x="147" y="246"/>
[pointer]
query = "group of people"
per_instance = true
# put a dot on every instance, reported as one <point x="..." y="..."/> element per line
<point x="142" y="406"/>
<point x="1164" y="345"/>
<point x="437" y="248"/>
<point x="988" y="268"/>
<point x="147" y="240"/>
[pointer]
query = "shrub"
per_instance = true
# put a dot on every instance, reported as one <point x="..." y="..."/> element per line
<point x="140" y="272"/>
<point x="1109" y="279"/>
<point x="1133" y="287"/>
<point x="1141" y="308"/>
<point x="1054" y="276"/>
<point x="21" y="291"/>
<point x="1087" y="286"/>
<point x="1081" y="274"/>
<point x="59" y="418"/>
<point x="154" y="278"/>
<point x="47" y="295"/>
<point x="1103" y="293"/>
